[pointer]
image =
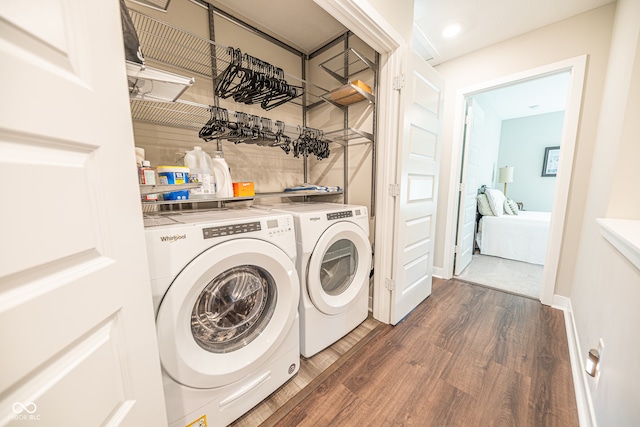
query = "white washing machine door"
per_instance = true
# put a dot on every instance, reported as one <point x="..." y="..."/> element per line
<point x="339" y="267"/>
<point x="227" y="312"/>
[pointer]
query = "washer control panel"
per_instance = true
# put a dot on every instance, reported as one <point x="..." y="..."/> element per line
<point x="278" y="227"/>
<point x="228" y="230"/>
<point x="339" y="215"/>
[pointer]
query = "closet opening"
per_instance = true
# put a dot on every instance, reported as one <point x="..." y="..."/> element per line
<point x="319" y="145"/>
<point x="324" y="135"/>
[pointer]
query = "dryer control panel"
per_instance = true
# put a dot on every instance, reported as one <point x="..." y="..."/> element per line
<point x="339" y="215"/>
<point x="228" y="230"/>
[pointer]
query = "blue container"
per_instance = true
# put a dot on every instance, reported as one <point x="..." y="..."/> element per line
<point x="177" y="195"/>
<point x="173" y="174"/>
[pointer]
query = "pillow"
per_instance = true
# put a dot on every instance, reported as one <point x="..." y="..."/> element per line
<point x="496" y="201"/>
<point x="510" y="207"/>
<point x="483" y="205"/>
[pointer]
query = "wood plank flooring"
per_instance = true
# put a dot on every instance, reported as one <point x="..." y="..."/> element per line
<point x="312" y="370"/>
<point x="467" y="356"/>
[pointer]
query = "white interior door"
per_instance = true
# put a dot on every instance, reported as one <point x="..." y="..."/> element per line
<point x="76" y="317"/>
<point x="469" y="183"/>
<point x="418" y="167"/>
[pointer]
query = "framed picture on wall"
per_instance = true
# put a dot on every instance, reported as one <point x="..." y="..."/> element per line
<point x="551" y="158"/>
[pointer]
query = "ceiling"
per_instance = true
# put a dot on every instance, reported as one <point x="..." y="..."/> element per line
<point x="305" y="26"/>
<point x="301" y="24"/>
<point x="486" y="22"/>
<point x="543" y="95"/>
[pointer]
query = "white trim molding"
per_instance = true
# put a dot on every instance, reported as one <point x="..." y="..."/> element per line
<point x="577" y="67"/>
<point x="586" y="414"/>
<point x="624" y="235"/>
<point x="439" y="273"/>
<point x="372" y="28"/>
<point x="365" y="22"/>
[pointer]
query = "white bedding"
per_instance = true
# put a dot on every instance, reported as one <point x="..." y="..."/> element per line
<point x="521" y="237"/>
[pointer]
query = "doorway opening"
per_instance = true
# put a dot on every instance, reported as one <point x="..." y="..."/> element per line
<point x="508" y="131"/>
<point x="526" y="182"/>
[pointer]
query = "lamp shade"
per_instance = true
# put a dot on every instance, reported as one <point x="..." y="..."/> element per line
<point x="506" y="174"/>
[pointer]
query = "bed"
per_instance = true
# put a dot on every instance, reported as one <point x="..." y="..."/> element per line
<point x="521" y="237"/>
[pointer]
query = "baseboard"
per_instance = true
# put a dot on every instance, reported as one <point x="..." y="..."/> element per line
<point x="439" y="273"/>
<point x="586" y="414"/>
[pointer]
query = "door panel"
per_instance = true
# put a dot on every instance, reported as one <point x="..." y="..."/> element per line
<point x="74" y="284"/>
<point x="470" y="183"/>
<point x="418" y="168"/>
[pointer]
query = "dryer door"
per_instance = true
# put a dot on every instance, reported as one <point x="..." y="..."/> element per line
<point x="227" y="312"/>
<point x="338" y="267"/>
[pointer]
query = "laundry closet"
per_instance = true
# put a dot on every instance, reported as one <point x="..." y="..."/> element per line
<point x="178" y="41"/>
<point x="245" y="286"/>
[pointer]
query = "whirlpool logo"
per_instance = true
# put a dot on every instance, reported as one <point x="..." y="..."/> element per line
<point x="314" y="218"/>
<point x="172" y="239"/>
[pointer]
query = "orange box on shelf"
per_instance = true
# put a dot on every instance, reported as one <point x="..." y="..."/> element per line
<point x="346" y="94"/>
<point x="243" y="189"/>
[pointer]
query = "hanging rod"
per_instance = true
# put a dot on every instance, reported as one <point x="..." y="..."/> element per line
<point x="184" y="114"/>
<point x="252" y="129"/>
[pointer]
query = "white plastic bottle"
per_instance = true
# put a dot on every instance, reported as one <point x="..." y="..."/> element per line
<point x="221" y="175"/>
<point x="200" y="170"/>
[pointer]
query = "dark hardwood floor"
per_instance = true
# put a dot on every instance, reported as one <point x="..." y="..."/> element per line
<point x="467" y="356"/>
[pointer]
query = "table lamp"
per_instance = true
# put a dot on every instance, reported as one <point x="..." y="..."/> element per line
<point x="506" y="176"/>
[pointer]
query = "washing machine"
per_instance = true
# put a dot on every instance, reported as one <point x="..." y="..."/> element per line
<point x="226" y="297"/>
<point x="333" y="263"/>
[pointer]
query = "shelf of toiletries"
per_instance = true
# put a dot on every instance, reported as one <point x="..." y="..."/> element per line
<point x="146" y="189"/>
<point x="225" y="199"/>
<point x="198" y="200"/>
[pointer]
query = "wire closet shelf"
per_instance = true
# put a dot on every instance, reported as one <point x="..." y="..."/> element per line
<point x="176" y="47"/>
<point x="173" y="46"/>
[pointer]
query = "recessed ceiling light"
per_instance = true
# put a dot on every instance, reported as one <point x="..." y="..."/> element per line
<point x="451" y="30"/>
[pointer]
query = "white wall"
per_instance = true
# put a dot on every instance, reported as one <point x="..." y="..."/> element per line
<point x="522" y="145"/>
<point x="588" y="33"/>
<point x="606" y="287"/>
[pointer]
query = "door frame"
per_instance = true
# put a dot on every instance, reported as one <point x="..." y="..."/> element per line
<point x="363" y="20"/>
<point x="577" y="67"/>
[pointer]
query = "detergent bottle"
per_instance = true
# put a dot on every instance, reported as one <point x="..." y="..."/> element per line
<point x="221" y="176"/>
<point x="201" y="170"/>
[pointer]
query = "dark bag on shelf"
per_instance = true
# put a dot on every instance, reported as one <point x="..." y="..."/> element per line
<point x="132" y="49"/>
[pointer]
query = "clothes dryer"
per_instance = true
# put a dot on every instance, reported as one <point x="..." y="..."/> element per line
<point x="226" y="297"/>
<point x="333" y="263"/>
